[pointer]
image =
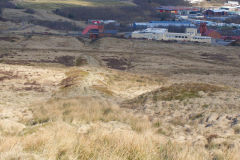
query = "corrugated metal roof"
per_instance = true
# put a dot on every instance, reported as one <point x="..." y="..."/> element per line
<point x="152" y="30"/>
<point x="111" y="31"/>
<point x="171" y="22"/>
<point x="177" y="8"/>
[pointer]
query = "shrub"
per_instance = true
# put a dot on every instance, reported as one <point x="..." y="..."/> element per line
<point x="81" y="61"/>
<point x="30" y="11"/>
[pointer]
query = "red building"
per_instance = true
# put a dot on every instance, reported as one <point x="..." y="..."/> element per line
<point x="176" y="9"/>
<point x="215" y="13"/>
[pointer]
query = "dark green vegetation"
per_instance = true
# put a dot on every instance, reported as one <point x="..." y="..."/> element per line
<point x="143" y="10"/>
<point x="185" y="91"/>
<point x="56" y="4"/>
<point x="56" y="25"/>
<point x="180" y="92"/>
<point x="118" y="13"/>
<point x="137" y="10"/>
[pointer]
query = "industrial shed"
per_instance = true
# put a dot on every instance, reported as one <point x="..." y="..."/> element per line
<point x="163" y="34"/>
<point x="180" y="10"/>
<point x="159" y="24"/>
<point x="215" y="12"/>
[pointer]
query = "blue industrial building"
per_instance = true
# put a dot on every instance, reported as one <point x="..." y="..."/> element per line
<point x="156" y="24"/>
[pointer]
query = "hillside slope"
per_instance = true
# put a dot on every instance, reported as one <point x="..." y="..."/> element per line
<point x="120" y="99"/>
<point x="53" y="4"/>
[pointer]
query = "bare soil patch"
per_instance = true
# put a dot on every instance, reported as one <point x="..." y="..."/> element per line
<point x="9" y="39"/>
<point x="216" y="57"/>
<point x="115" y="63"/>
<point x="7" y="75"/>
<point x="66" y="60"/>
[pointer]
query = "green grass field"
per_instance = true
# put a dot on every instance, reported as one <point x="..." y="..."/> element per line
<point x="53" y="4"/>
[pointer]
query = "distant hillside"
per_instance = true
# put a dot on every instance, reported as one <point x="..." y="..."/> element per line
<point x="54" y="4"/>
<point x="121" y="10"/>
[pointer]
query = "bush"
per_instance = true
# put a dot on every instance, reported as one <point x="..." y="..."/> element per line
<point x="30" y="11"/>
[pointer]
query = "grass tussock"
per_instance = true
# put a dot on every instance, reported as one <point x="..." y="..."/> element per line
<point x="58" y="134"/>
<point x="80" y="61"/>
<point x="237" y="129"/>
<point x="103" y="89"/>
<point x="85" y="110"/>
<point x="60" y="140"/>
<point x="187" y="90"/>
<point x="73" y="76"/>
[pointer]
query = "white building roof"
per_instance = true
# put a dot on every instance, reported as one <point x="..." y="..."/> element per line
<point x="232" y="2"/>
<point x="152" y="30"/>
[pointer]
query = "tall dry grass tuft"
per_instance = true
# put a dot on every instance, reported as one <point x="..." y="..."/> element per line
<point x="90" y="128"/>
<point x="60" y="140"/>
<point x="86" y="110"/>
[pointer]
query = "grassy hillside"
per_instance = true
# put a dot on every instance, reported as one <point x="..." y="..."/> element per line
<point x="53" y="4"/>
<point x="121" y="10"/>
<point x="116" y="99"/>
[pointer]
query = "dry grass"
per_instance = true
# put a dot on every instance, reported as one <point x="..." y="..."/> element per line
<point x="237" y="129"/>
<point x="73" y="76"/>
<point x="96" y="128"/>
<point x="53" y="132"/>
<point x="60" y="140"/>
<point x="103" y="89"/>
<point x="120" y="78"/>
<point x="85" y="110"/>
<point x="91" y="128"/>
<point x="130" y="85"/>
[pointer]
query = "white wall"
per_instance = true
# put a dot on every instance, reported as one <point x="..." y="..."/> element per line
<point x="193" y="36"/>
